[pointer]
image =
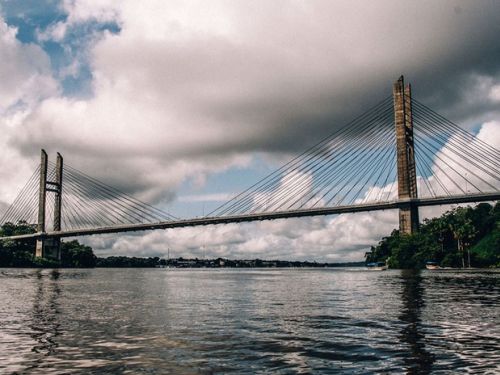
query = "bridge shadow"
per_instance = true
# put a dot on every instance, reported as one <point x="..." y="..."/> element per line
<point x="418" y="360"/>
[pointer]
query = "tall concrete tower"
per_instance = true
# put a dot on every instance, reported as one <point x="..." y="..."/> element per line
<point x="407" y="174"/>
<point x="49" y="248"/>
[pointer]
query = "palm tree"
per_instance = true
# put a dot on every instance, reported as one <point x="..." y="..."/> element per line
<point x="463" y="231"/>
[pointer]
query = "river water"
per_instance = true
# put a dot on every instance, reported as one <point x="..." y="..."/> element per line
<point x="204" y="321"/>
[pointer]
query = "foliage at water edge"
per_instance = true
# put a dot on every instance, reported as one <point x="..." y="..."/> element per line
<point x="20" y="253"/>
<point x="461" y="237"/>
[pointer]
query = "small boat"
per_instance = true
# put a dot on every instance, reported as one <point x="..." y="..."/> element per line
<point x="376" y="266"/>
<point x="431" y="265"/>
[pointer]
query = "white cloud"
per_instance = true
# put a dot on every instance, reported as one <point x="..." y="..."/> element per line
<point x="26" y="79"/>
<point x="24" y="72"/>
<point x="495" y="93"/>
<point x="336" y="239"/>
<point x="462" y="166"/>
<point x="489" y="134"/>
<point x="218" y="197"/>
<point x="99" y="10"/>
<point x="55" y="32"/>
<point x="289" y="193"/>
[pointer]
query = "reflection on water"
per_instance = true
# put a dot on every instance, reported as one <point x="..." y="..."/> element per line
<point x="44" y="321"/>
<point x="248" y="321"/>
<point x="418" y="360"/>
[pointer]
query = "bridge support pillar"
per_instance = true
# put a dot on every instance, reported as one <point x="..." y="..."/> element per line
<point x="42" y="196"/>
<point x="49" y="248"/>
<point x="407" y="174"/>
<point x="58" y="191"/>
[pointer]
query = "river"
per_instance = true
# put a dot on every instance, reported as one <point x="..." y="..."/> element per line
<point x="209" y="321"/>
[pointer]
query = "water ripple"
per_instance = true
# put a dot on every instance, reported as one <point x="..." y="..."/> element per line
<point x="157" y="321"/>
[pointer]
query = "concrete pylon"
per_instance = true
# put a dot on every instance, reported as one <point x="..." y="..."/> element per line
<point x="42" y="196"/>
<point x="407" y="174"/>
<point x="50" y="247"/>
<point x="58" y="192"/>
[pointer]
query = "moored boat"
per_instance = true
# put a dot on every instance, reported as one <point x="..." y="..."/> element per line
<point x="376" y="266"/>
<point x="431" y="265"/>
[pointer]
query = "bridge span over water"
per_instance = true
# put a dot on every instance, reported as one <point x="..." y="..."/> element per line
<point x="181" y="223"/>
<point x="399" y="154"/>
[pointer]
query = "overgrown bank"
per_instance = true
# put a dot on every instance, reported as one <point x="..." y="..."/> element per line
<point x="462" y="237"/>
<point x="21" y="253"/>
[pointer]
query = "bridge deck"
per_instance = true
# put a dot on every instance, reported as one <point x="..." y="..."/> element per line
<point x="421" y="202"/>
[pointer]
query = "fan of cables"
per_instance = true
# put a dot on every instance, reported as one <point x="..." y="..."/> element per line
<point x="86" y="203"/>
<point x="357" y="164"/>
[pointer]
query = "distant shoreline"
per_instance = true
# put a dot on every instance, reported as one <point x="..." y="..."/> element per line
<point x="304" y="266"/>
<point x="134" y="262"/>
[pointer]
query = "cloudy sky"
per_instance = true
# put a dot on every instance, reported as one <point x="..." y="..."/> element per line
<point x="185" y="103"/>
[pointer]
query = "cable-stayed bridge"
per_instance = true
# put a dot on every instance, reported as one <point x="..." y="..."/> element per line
<point x="399" y="154"/>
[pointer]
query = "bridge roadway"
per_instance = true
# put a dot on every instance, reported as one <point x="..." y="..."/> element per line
<point x="420" y="202"/>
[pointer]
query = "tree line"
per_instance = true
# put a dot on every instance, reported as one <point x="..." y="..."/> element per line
<point x="461" y="237"/>
<point x="20" y="253"/>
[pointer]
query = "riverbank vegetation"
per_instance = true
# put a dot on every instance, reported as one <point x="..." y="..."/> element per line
<point x="21" y="253"/>
<point x="461" y="237"/>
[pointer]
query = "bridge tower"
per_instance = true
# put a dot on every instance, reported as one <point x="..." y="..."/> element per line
<point x="49" y="247"/>
<point x="405" y="151"/>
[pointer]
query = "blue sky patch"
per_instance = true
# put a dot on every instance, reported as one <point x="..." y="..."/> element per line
<point x="32" y="18"/>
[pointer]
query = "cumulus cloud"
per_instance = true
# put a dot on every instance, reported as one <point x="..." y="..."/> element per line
<point x="292" y="189"/>
<point x="461" y="172"/>
<point x="495" y="93"/>
<point x="335" y="239"/>
<point x="25" y="73"/>
<point x="26" y="80"/>
<point x="218" y="197"/>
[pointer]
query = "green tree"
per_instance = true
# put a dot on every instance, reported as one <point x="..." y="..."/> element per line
<point x="446" y="239"/>
<point x="463" y="231"/>
<point x="20" y="253"/>
<point x="74" y="254"/>
<point x="16" y="253"/>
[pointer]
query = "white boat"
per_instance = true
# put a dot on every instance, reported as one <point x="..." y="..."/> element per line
<point x="432" y="265"/>
<point x="376" y="266"/>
